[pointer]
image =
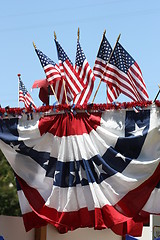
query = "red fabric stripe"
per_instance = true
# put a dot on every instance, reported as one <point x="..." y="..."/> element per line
<point x="132" y="203"/>
<point x="32" y="220"/>
<point x="68" y="124"/>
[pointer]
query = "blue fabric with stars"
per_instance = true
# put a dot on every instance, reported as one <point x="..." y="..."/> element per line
<point x="121" y="58"/>
<point x="105" y="50"/>
<point x="80" y="56"/>
<point x="22" y="87"/>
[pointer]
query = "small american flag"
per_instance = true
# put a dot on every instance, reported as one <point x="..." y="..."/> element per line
<point x="68" y="72"/>
<point x="24" y="96"/>
<point x="124" y="73"/>
<point x="83" y="69"/>
<point x="53" y="76"/>
<point x="51" y="69"/>
<point x="100" y="65"/>
<point x="103" y="55"/>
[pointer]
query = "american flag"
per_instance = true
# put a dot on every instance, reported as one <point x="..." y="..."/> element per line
<point x="83" y="69"/>
<point x="53" y="76"/>
<point x="68" y="72"/>
<point x="24" y="96"/>
<point x="103" y="55"/>
<point x="123" y="72"/>
<point x="51" y="69"/>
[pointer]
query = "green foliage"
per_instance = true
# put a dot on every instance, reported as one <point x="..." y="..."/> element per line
<point x="9" y="204"/>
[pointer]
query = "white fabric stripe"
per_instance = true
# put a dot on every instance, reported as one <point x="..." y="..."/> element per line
<point x="23" y="202"/>
<point x="58" y="92"/>
<point x="99" y="60"/>
<point x="152" y="205"/>
<point x="85" y="70"/>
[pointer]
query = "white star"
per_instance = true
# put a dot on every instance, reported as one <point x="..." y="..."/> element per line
<point x="46" y="163"/>
<point x="121" y="156"/>
<point x="15" y="147"/>
<point x="55" y="173"/>
<point x="138" y="131"/>
<point x="74" y="175"/>
<point x="82" y="173"/>
<point x="99" y="169"/>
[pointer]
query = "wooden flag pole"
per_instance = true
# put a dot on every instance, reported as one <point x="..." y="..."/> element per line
<point x="19" y="77"/>
<point x="50" y="85"/>
<point x="106" y="65"/>
<point x="157" y="94"/>
<point x="55" y="37"/>
<point x="78" y="33"/>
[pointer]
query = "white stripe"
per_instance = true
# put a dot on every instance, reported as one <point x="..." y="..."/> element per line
<point x="152" y="205"/>
<point x="23" y="202"/>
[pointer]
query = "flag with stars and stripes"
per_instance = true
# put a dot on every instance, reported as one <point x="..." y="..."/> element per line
<point x="99" y="68"/>
<point x="51" y="69"/>
<point x="68" y="72"/>
<point x="53" y="76"/>
<point x="24" y="96"/>
<point x="123" y="72"/>
<point x="83" y="69"/>
<point x="99" y="170"/>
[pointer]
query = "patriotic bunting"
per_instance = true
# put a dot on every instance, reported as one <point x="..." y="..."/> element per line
<point x="96" y="170"/>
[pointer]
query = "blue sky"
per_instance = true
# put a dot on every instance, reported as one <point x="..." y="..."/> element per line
<point x="22" y="22"/>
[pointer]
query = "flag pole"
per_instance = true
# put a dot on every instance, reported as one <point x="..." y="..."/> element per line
<point x="106" y="64"/>
<point x="157" y="94"/>
<point x="50" y="85"/>
<point x="19" y="78"/>
<point x="65" y="93"/>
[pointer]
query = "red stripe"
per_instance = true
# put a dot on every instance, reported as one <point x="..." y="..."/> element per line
<point x="68" y="124"/>
<point x="32" y="220"/>
<point x="132" y="203"/>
